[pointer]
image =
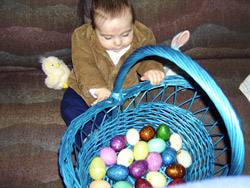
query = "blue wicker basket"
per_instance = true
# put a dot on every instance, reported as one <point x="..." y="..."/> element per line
<point x="192" y="105"/>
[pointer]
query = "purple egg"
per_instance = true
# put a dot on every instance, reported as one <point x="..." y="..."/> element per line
<point x="169" y="156"/>
<point x="118" y="143"/>
<point x="138" y="168"/>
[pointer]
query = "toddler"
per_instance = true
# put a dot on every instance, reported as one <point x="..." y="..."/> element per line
<point x="99" y="49"/>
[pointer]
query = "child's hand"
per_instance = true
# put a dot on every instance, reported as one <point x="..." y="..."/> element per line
<point x="154" y="76"/>
<point x="102" y="94"/>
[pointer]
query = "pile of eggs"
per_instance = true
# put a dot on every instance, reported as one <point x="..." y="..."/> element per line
<point x="141" y="155"/>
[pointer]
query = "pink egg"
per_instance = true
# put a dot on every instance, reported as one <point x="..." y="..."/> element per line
<point x="108" y="155"/>
<point x="154" y="161"/>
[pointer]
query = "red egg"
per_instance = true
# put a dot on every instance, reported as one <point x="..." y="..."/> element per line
<point x="142" y="183"/>
<point x="147" y="133"/>
<point x="175" y="171"/>
<point x="177" y="182"/>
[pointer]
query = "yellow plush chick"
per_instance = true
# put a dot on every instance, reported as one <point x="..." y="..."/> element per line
<point x="57" y="72"/>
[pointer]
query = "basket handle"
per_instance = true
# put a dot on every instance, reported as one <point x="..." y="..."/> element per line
<point x="203" y="79"/>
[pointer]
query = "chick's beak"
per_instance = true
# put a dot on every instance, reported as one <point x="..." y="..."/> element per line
<point x="57" y="65"/>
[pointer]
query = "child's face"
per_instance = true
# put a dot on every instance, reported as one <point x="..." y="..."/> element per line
<point x="115" y="33"/>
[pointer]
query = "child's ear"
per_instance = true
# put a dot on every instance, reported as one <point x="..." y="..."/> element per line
<point x="180" y="39"/>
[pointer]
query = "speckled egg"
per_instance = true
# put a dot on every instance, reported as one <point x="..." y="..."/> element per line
<point x="169" y="156"/>
<point x="121" y="184"/>
<point x="99" y="183"/>
<point x="175" y="171"/>
<point x="142" y="183"/>
<point x="108" y="155"/>
<point x="163" y="132"/>
<point x="157" y="145"/>
<point x="156" y="179"/>
<point x="176" y="182"/>
<point x="118" y="143"/>
<point x="184" y="158"/>
<point x="138" y="168"/>
<point x="125" y="157"/>
<point x="175" y="141"/>
<point x="117" y="172"/>
<point x="132" y="136"/>
<point x="154" y="161"/>
<point x="147" y="133"/>
<point x="141" y="150"/>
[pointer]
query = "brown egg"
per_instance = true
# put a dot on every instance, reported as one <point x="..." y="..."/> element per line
<point x="175" y="171"/>
<point x="147" y="133"/>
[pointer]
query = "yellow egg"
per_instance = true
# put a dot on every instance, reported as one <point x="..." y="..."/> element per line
<point x="141" y="150"/>
<point x="125" y="157"/>
<point x="184" y="158"/>
<point x="99" y="184"/>
<point x="156" y="179"/>
<point x="133" y="136"/>
<point x="175" y="141"/>
<point x="97" y="168"/>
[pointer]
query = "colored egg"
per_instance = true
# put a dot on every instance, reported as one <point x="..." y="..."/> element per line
<point x="176" y="182"/>
<point x="132" y="136"/>
<point x="156" y="179"/>
<point x="169" y="156"/>
<point x="121" y="184"/>
<point x="154" y="161"/>
<point x="142" y="183"/>
<point x="147" y="133"/>
<point x="175" y="141"/>
<point x="184" y="158"/>
<point x="97" y="168"/>
<point x="117" y="172"/>
<point x="108" y="155"/>
<point x="141" y="150"/>
<point x="118" y="143"/>
<point x="99" y="183"/>
<point x="157" y="145"/>
<point x="125" y="157"/>
<point x="175" y="171"/>
<point x="138" y="168"/>
<point x="163" y="132"/>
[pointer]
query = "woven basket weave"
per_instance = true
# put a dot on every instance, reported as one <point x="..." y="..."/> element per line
<point x="192" y="106"/>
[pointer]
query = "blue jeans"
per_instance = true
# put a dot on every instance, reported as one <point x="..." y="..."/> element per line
<point x="73" y="105"/>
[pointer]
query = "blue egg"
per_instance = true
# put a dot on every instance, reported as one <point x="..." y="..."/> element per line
<point x="117" y="172"/>
<point x="169" y="156"/>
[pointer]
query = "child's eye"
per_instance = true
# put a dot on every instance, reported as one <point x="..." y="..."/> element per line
<point x="108" y="38"/>
<point x="125" y="35"/>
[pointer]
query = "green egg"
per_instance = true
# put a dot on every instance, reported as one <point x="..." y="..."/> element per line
<point x="122" y="184"/>
<point x="163" y="132"/>
<point x="157" y="145"/>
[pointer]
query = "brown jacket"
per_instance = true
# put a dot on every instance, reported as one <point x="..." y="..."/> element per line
<point x="92" y="66"/>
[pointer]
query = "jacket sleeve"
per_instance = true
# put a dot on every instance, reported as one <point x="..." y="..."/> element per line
<point x="147" y="65"/>
<point x="86" y="72"/>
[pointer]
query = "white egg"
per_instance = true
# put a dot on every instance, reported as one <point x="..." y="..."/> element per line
<point x="175" y="141"/>
<point x="156" y="179"/>
<point x="133" y="136"/>
<point x="184" y="158"/>
<point x="125" y="157"/>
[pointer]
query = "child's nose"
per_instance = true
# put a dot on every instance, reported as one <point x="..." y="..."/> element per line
<point x="117" y="41"/>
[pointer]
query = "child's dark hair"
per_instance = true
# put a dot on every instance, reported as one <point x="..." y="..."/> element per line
<point x="112" y="8"/>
